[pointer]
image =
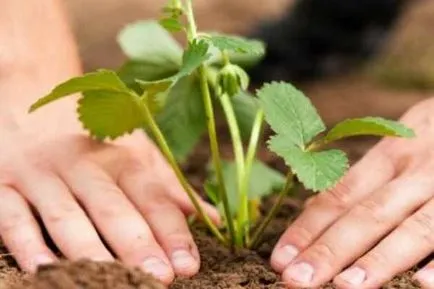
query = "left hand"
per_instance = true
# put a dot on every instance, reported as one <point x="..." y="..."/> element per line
<point x="379" y="219"/>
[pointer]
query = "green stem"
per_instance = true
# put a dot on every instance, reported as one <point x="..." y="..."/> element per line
<point x="226" y="59"/>
<point x="192" y="28"/>
<point x="162" y="143"/>
<point x="209" y="110"/>
<point x="250" y="157"/>
<point x="215" y="152"/>
<point x="239" y="161"/>
<point x="257" y="235"/>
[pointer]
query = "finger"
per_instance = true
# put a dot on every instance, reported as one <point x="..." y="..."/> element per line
<point x="403" y="248"/>
<point x="178" y="194"/>
<point x="118" y="220"/>
<point x="166" y="220"/>
<point x="425" y="276"/>
<point x="176" y="191"/>
<point x="328" y="206"/>
<point x="20" y="232"/>
<point x="63" y="217"/>
<point x="360" y="229"/>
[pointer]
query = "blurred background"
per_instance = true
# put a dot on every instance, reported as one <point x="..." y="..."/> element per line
<point x="352" y="57"/>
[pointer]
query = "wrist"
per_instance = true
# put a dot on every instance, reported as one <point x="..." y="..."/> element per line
<point x="23" y="85"/>
<point x="56" y="118"/>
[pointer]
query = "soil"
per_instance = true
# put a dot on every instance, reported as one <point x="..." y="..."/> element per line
<point x="90" y="275"/>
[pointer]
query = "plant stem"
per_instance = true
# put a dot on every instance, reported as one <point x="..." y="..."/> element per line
<point x="192" y="28"/>
<point x="250" y="157"/>
<point x="272" y="213"/>
<point x="225" y="57"/>
<point x="239" y="161"/>
<point x="215" y="152"/>
<point x="162" y="143"/>
<point x="209" y="110"/>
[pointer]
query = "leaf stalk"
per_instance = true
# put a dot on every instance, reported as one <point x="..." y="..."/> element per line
<point x="250" y="157"/>
<point x="257" y="235"/>
<point x="237" y="144"/>
<point x="209" y="110"/>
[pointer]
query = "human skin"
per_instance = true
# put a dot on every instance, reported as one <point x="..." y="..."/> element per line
<point x="377" y="222"/>
<point x="81" y="190"/>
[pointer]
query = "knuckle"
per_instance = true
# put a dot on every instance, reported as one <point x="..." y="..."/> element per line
<point x="375" y="259"/>
<point x="132" y="164"/>
<point x="12" y="223"/>
<point x="7" y="176"/>
<point x="370" y="210"/>
<point x="299" y="235"/>
<point x="159" y="205"/>
<point x="421" y="225"/>
<point x="324" y="252"/>
<point x="133" y="171"/>
<point x="109" y="211"/>
<point x="140" y="246"/>
<point x="61" y="212"/>
<point x="338" y="197"/>
<point x="180" y="240"/>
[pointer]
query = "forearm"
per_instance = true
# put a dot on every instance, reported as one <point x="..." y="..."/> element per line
<point x="36" y="52"/>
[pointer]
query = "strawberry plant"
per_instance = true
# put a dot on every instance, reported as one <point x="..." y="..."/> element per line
<point x="174" y="93"/>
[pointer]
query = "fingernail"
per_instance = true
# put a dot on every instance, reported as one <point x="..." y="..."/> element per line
<point x="284" y="255"/>
<point x="183" y="260"/>
<point x="353" y="276"/>
<point x="425" y="276"/>
<point x="156" y="267"/>
<point x="40" y="260"/>
<point x="300" y="273"/>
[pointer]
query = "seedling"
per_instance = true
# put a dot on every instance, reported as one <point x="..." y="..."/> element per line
<point x="173" y="94"/>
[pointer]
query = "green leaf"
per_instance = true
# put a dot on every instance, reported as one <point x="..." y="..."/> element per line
<point x="110" y="113"/>
<point x="236" y="44"/>
<point x="288" y="111"/>
<point x="183" y="119"/>
<point x="171" y="24"/>
<point x="194" y="56"/>
<point x="149" y="42"/>
<point x="316" y="170"/>
<point x="368" y="126"/>
<point x="100" y="80"/>
<point x="245" y="107"/>
<point x="153" y="54"/>
<point x="146" y="71"/>
<point x="242" y="59"/>
<point x="212" y="193"/>
<point x="263" y="181"/>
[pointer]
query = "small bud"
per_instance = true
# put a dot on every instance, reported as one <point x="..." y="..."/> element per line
<point x="174" y="8"/>
<point x="231" y="80"/>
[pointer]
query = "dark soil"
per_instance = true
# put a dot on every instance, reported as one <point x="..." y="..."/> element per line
<point x="90" y="275"/>
<point x="9" y="273"/>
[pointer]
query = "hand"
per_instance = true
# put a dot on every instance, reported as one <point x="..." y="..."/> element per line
<point x="84" y="192"/>
<point x="379" y="220"/>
